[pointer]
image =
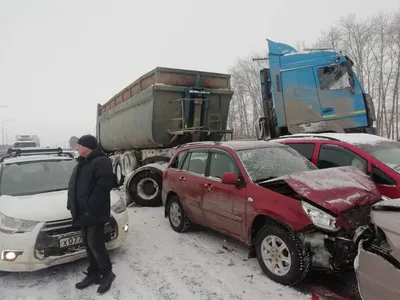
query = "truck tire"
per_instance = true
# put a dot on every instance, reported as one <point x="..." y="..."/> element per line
<point x="177" y="216"/>
<point x="129" y="163"/>
<point x="118" y="172"/>
<point x="145" y="188"/>
<point x="281" y="255"/>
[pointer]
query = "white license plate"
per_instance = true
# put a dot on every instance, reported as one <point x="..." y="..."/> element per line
<point x="70" y="241"/>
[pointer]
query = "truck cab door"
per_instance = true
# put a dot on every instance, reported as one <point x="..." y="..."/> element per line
<point x="341" y="96"/>
<point x="300" y="96"/>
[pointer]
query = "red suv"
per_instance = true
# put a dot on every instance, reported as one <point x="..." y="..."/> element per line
<point x="376" y="156"/>
<point x="267" y="195"/>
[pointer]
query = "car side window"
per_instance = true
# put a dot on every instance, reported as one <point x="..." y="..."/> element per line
<point x="222" y="162"/>
<point x="178" y="160"/>
<point x="380" y="177"/>
<point x="307" y="150"/>
<point x="196" y="162"/>
<point x="331" y="156"/>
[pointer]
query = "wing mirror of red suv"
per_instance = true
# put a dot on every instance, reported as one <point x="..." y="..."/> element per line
<point x="230" y="178"/>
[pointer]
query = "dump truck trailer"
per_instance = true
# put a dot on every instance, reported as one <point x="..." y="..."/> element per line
<point x="141" y="126"/>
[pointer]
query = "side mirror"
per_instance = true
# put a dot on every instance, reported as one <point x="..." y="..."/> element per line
<point x="230" y="178"/>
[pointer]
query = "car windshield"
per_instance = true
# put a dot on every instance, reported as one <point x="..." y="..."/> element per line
<point x="27" y="178"/>
<point x="387" y="152"/>
<point x="271" y="162"/>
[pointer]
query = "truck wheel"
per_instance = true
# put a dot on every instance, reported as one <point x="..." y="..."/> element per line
<point x="129" y="163"/>
<point x="118" y="173"/>
<point x="145" y="188"/>
<point x="281" y="255"/>
<point x="177" y="217"/>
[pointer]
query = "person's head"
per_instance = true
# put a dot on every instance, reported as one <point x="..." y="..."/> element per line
<point x="86" y="144"/>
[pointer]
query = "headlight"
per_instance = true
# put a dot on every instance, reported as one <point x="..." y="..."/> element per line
<point x="319" y="218"/>
<point x="10" y="225"/>
<point x="119" y="207"/>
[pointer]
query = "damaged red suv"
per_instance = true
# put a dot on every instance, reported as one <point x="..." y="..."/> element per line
<point x="293" y="216"/>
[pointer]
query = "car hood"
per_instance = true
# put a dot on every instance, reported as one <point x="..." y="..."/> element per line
<point x="336" y="189"/>
<point x="41" y="207"/>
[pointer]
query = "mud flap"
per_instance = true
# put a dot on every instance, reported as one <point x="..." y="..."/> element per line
<point x="377" y="278"/>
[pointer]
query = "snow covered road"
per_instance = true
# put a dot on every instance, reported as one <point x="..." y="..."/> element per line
<point x="158" y="263"/>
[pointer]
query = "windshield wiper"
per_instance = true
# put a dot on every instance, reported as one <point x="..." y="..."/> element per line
<point x="264" y="179"/>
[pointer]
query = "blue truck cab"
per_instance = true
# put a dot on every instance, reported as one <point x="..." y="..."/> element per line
<point x="312" y="91"/>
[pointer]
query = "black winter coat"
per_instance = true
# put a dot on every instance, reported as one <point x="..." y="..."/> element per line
<point x="89" y="190"/>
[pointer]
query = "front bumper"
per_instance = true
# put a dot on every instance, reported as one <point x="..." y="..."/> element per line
<point x="40" y="248"/>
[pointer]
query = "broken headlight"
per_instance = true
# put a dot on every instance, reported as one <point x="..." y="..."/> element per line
<point x="319" y="218"/>
<point x="11" y="225"/>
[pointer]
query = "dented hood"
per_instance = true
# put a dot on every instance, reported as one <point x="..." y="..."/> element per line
<point x="336" y="189"/>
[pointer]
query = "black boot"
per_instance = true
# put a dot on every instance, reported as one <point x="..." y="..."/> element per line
<point x="91" y="278"/>
<point x="106" y="281"/>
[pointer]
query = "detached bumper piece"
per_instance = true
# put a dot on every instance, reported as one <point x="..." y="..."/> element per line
<point x="378" y="277"/>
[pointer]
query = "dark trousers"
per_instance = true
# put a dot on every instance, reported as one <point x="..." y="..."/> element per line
<point x="93" y="240"/>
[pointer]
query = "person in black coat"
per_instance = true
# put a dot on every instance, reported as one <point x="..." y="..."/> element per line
<point x="89" y="203"/>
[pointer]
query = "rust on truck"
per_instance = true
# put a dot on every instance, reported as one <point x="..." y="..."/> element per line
<point x="165" y="108"/>
<point x="168" y="76"/>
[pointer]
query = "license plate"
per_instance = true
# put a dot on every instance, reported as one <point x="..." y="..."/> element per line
<point x="70" y="241"/>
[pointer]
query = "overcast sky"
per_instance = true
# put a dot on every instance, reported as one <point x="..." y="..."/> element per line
<point x="58" y="59"/>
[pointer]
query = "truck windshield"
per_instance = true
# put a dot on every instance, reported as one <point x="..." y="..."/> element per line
<point x="271" y="162"/>
<point x="28" y="178"/>
<point x="387" y="152"/>
<point x="338" y="77"/>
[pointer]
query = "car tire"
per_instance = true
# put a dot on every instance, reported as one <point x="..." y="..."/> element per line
<point x="276" y="245"/>
<point x="140" y="195"/>
<point x="177" y="216"/>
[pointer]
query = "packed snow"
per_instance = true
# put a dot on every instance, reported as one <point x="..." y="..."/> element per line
<point x="157" y="263"/>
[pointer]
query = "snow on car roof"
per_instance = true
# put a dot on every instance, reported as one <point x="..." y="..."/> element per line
<point x="351" y="138"/>
<point x="239" y="144"/>
<point x="33" y="158"/>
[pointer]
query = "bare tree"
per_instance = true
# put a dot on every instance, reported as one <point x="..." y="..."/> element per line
<point x="246" y="104"/>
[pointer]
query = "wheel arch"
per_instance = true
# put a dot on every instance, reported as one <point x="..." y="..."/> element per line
<point x="260" y="221"/>
<point x="169" y="196"/>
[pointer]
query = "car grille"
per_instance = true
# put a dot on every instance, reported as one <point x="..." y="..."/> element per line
<point x="359" y="216"/>
<point x="48" y="240"/>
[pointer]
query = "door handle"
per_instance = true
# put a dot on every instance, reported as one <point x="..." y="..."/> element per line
<point x="183" y="179"/>
<point x="208" y="186"/>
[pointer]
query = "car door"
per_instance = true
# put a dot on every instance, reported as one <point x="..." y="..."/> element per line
<point x="223" y="204"/>
<point x="332" y="155"/>
<point x="190" y="183"/>
<point x="306" y="149"/>
<point x="383" y="181"/>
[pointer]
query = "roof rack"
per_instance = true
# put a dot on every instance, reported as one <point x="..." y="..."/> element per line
<point x="305" y="136"/>
<point x="15" y="152"/>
